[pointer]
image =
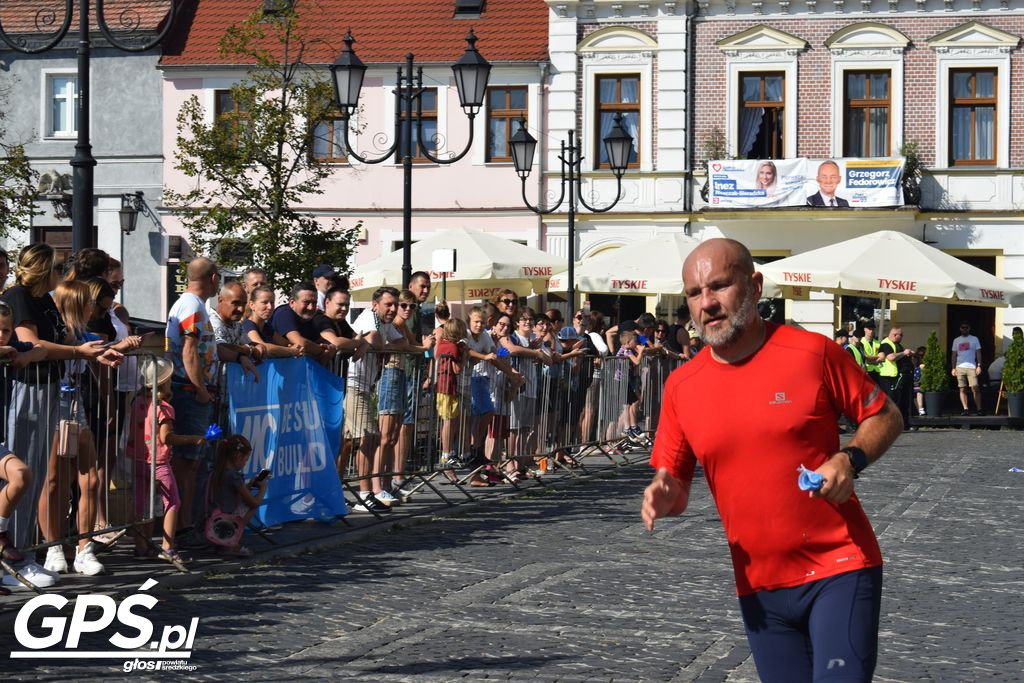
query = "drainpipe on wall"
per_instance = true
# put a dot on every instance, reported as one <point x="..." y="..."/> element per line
<point x="691" y="44"/>
<point x="542" y="137"/>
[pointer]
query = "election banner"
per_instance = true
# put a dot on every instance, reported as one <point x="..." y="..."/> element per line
<point x="825" y="183"/>
<point x="292" y="417"/>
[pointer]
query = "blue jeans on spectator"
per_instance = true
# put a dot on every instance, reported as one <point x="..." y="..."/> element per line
<point x="192" y="418"/>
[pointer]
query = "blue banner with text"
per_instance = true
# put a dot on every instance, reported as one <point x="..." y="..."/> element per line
<point x="292" y="417"/>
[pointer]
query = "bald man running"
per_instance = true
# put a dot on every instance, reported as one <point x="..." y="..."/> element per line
<point x="807" y="565"/>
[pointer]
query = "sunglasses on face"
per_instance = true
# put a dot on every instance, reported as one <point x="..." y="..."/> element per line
<point x="407" y="306"/>
<point x="579" y="317"/>
<point x="507" y="302"/>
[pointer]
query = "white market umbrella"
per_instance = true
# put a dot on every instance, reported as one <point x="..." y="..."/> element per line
<point x="892" y="265"/>
<point x="653" y="266"/>
<point x="485" y="264"/>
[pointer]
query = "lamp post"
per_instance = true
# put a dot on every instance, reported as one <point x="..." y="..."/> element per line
<point x="618" y="145"/>
<point x="471" y="74"/>
<point x="129" y="21"/>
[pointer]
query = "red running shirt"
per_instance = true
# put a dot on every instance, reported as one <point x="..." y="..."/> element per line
<point x="751" y="425"/>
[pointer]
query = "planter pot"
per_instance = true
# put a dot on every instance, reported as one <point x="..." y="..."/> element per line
<point x="933" y="403"/>
<point x="1015" y="403"/>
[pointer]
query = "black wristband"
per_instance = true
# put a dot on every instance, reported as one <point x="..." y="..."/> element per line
<point x="858" y="459"/>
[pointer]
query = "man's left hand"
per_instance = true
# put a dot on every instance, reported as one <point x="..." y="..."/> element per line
<point x="247" y="366"/>
<point x="838" y="473"/>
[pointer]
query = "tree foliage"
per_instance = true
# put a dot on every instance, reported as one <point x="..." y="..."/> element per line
<point x="17" y="182"/>
<point x="253" y="169"/>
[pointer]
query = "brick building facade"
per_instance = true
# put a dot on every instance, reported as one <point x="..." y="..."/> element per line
<point x="970" y="207"/>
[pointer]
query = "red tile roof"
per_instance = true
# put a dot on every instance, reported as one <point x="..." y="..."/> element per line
<point x="385" y="30"/>
<point x="44" y="17"/>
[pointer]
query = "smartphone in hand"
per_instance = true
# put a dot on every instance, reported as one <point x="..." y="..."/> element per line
<point x="261" y="476"/>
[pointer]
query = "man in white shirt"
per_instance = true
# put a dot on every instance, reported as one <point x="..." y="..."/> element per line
<point x="967" y="366"/>
<point x="375" y="324"/>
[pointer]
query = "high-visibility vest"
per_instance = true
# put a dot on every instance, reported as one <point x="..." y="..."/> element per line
<point x="888" y="368"/>
<point x="857" y="354"/>
<point x="870" y="354"/>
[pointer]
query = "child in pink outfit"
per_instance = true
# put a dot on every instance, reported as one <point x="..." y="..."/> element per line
<point x="140" y="449"/>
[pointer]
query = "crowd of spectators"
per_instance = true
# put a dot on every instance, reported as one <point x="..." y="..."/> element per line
<point x="501" y="384"/>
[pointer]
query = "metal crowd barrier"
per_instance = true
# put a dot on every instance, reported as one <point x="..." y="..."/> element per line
<point x="68" y="422"/>
<point x="548" y="417"/>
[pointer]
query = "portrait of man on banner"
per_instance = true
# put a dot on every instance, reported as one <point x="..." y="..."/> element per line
<point x="828" y="178"/>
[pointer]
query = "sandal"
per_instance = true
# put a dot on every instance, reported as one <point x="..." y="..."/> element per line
<point x="480" y="483"/>
<point x="171" y="556"/>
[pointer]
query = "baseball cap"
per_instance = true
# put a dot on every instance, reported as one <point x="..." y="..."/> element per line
<point x="323" y="270"/>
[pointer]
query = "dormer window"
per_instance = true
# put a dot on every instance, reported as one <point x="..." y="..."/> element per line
<point x="468" y="9"/>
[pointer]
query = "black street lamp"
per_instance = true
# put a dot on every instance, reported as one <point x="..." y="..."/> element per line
<point x="618" y="145"/>
<point x="128" y="214"/>
<point x="471" y="74"/>
<point x="128" y="21"/>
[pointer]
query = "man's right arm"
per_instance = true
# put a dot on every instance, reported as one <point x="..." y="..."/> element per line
<point x="669" y="491"/>
<point x="193" y="367"/>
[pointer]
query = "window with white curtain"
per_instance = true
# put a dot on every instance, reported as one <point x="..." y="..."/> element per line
<point x="972" y="113"/>
<point x="762" y="115"/>
<point x="62" y="96"/>
<point x="867" y="111"/>
<point x="616" y="94"/>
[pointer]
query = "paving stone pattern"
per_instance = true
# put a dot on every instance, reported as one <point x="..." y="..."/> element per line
<point x="567" y="586"/>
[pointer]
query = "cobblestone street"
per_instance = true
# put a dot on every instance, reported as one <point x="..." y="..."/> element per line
<point x="566" y="586"/>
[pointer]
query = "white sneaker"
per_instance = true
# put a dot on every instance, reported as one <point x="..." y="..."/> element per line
<point x="86" y="562"/>
<point x="55" y="560"/>
<point x="385" y="498"/>
<point x="33" y="573"/>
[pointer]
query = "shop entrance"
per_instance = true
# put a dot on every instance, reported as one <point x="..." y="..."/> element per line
<point x="617" y="308"/>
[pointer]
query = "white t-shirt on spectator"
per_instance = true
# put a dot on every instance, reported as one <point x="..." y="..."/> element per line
<point x="965" y="347"/>
<point x="482" y="345"/>
<point x="363" y="373"/>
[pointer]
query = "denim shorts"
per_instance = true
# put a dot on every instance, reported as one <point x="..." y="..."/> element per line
<point x="391" y="392"/>
<point x="191" y="418"/>
<point x="480" y="392"/>
<point x="411" y="398"/>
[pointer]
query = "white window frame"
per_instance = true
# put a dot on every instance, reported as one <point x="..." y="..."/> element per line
<point x="765" y="63"/>
<point x="639" y="63"/>
<point x="761" y="49"/>
<point x="618" y="50"/>
<point x="868" y="46"/>
<point x="972" y="45"/>
<point x="46" y="102"/>
<point x="944" y="64"/>
<point x="854" y="62"/>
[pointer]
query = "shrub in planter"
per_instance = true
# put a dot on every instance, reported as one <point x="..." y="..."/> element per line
<point x="934" y="378"/>
<point x="1013" y="376"/>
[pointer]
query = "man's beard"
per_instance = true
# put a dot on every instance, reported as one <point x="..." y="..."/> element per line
<point x="736" y="325"/>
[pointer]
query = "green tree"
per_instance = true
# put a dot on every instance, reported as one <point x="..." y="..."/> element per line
<point x="252" y="168"/>
<point x="17" y="181"/>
